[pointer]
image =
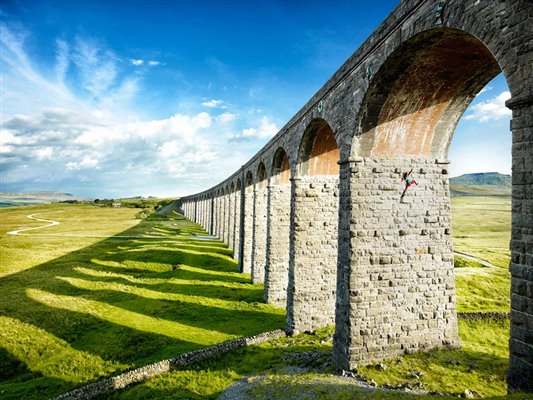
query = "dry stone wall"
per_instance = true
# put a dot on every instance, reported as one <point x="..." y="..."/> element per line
<point x="109" y="385"/>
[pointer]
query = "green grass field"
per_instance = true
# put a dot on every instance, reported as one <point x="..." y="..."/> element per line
<point x="79" y="302"/>
<point x="482" y="228"/>
<point x="479" y="366"/>
<point x="77" y="308"/>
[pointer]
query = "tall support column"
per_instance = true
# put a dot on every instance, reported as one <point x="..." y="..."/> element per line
<point x="248" y="225"/>
<point x="397" y="291"/>
<point x="237" y="225"/>
<point x="214" y="210"/>
<point x="228" y="216"/>
<point x="218" y="225"/>
<point x="313" y="256"/>
<point x="222" y="214"/>
<point x="212" y="216"/>
<point x="259" y="237"/>
<point x="206" y="215"/>
<point x="277" y="257"/>
<point x="231" y="219"/>
<point x="202" y="212"/>
<point x="343" y="308"/>
<point x="520" y="372"/>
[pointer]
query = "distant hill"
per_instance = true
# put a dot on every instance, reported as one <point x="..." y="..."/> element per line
<point x="481" y="184"/>
<point x="10" y="199"/>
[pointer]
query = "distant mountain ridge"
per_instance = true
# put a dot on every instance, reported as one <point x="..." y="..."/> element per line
<point x="10" y="199"/>
<point x="481" y="184"/>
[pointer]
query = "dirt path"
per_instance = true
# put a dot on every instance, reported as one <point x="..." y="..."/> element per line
<point x="32" y="216"/>
<point x="479" y="260"/>
<point x="53" y="223"/>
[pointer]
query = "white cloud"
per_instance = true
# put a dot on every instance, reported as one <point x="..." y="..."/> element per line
<point x="266" y="129"/>
<point x="44" y="153"/>
<point x="153" y="63"/>
<point x="212" y="103"/>
<point x="86" y="162"/>
<point x="493" y="109"/>
<point x="484" y="90"/>
<point x="96" y="64"/>
<point x="82" y="134"/>
<point x="137" y="62"/>
<point x="226" y="118"/>
<point x="62" y="60"/>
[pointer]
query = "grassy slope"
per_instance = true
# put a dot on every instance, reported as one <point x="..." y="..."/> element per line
<point x="479" y="366"/>
<point x="482" y="228"/>
<point x="75" y="309"/>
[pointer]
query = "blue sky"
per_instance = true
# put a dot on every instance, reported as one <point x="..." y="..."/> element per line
<point x="167" y="98"/>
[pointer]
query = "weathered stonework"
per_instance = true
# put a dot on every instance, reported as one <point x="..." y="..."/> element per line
<point x="313" y="258"/>
<point x="400" y="285"/>
<point x="259" y="234"/>
<point x="248" y="226"/>
<point x="392" y="106"/>
<point x="236" y="223"/>
<point x="520" y="373"/>
<point x="277" y="264"/>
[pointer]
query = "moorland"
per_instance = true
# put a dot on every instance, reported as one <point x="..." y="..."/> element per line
<point x="107" y="290"/>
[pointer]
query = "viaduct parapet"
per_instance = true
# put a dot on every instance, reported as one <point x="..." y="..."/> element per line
<point x="317" y="216"/>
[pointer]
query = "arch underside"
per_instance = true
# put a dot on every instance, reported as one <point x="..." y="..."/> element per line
<point x="419" y="94"/>
<point x="319" y="152"/>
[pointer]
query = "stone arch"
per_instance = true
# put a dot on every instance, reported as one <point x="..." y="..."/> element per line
<point x="318" y="153"/>
<point x="417" y="97"/>
<point x="406" y="122"/>
<point x="281" y="168"/>
<point x="314" y="219"/>
<point x="260" y="225"/>
<point x="278" y="230"/>
<point x="261" y="176"/>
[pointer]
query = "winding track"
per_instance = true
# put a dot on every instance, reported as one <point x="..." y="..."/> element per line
<point x="53" y="223"/>
<point x="32" y="216"/>
<point x="473" y="258"/>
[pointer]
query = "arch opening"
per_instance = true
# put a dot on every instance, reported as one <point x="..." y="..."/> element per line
<point x="261" y="176"/>
<point x="419" y="94"/>
<point x="281" y="170"/>
<point x="318" y="153"/>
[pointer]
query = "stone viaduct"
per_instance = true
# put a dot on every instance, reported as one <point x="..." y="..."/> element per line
<point x="316" y="214"/>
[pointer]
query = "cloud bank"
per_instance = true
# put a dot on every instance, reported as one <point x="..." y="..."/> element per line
<point x="490" y="110"/>
<point x="74" y="127"/>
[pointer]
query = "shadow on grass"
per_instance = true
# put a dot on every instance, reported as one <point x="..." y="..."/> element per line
<point x="207" y="380"/>
<point x="118" y="315"/>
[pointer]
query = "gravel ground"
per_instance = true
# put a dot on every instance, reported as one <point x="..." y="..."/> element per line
<point x="241" y="390"/>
